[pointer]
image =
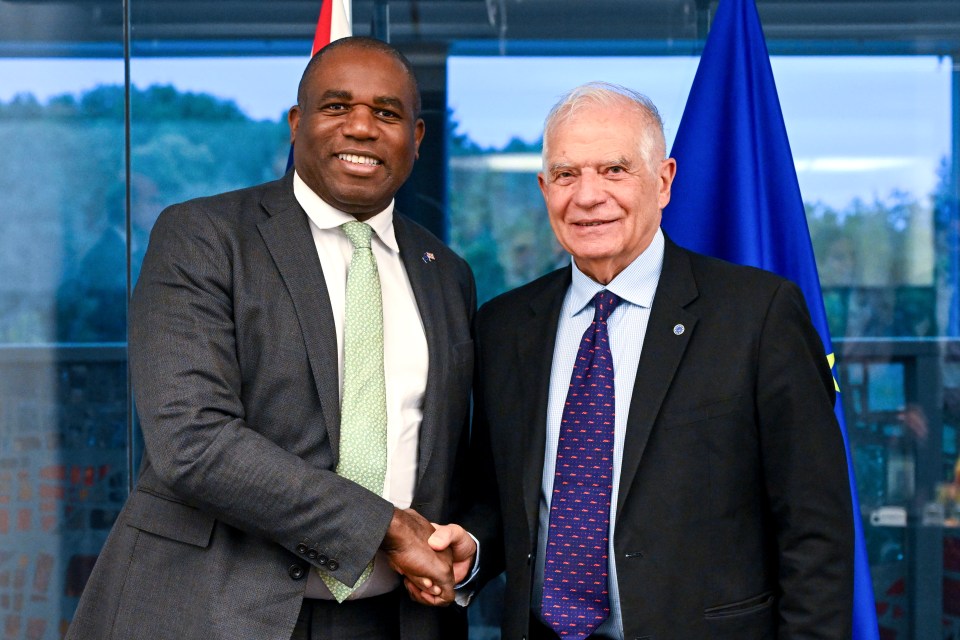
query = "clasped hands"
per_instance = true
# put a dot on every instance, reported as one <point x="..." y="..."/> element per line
<point x="432" y="558"/>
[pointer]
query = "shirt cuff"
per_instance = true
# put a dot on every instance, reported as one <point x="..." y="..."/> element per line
<point x="463" y="595"/>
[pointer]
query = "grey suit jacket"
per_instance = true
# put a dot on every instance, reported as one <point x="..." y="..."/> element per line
<point x="233" y="356"/>
<point x="734" y="517"/>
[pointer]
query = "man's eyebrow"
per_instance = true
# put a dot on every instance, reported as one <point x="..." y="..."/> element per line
<point x="620" y="160"/>
<point x="389" y="101"/>
<point x="559" y="166"/>
<point x="336" y="94"/>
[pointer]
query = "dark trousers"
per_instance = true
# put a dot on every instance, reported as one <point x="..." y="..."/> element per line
<point x="376" y="618"/>
<point x="540" y="631"/>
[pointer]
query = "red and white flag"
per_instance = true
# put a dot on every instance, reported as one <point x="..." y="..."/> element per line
<point x="335" y="22"/>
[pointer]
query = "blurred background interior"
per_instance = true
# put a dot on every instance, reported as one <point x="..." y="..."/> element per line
<point x="111" y="110"/>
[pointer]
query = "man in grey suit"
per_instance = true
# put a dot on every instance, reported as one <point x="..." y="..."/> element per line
<point x="240" y="518"/>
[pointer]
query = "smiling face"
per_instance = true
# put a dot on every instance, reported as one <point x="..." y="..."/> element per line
<point x="603" y="197"/>
<point x="355" y="130"/>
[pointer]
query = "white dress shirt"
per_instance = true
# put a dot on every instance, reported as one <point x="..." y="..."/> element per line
<point x="405" y="357"/>
<point x="626" y="326"/>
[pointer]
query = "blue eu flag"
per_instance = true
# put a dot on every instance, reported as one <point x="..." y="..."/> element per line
<point x="736" y="197"/>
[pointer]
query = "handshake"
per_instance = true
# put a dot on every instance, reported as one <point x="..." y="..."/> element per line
<point x="432" y="558"/>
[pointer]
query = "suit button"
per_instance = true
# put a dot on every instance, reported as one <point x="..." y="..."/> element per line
<point x="312" y="554"/>
<point x="302" y="549"/>
<point x="333" y="565"/>
<point x="296" y="572"/>
<point x="322" y="560"/>
<point x="529" y="558"/>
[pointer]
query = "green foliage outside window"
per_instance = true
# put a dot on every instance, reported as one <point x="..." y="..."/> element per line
<point x="64" y="254"/>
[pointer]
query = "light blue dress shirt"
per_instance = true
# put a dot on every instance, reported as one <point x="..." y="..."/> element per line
<point x="627" y="326"/>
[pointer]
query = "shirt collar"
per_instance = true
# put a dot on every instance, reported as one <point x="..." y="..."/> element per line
<point x="325" y="216"/>
<point x="636" y="284"/>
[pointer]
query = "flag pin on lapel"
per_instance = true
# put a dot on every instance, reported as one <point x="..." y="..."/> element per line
<point x="678" y="329"/>
<point x="428" y="257"/>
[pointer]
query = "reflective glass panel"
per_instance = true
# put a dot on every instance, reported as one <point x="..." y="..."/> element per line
<point x="63" y="391"/>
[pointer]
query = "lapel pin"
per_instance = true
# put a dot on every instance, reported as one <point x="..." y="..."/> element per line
<point x="428" y="257"/>
<point x="678" y="329"/>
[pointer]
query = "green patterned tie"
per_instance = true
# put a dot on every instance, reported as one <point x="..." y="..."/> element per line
<point x="363" y="410"/>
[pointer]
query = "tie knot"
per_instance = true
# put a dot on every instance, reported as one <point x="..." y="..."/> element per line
<point x="358" y="233"/>
<point x="603" y="305"/>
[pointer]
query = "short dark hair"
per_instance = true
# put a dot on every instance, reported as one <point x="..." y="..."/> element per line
<point x="370" y="44"/>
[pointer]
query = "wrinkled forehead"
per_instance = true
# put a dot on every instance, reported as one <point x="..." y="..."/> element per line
<point x="601" y="124"/>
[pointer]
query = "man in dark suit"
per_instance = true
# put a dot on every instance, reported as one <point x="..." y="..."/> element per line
<point x="244" y="523"/>
<point x="688" y="479"/>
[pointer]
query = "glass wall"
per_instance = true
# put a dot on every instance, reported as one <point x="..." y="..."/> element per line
<point x="111" y="110"/>
<point x="80" y="187"/>
<point x="63" y="393"/>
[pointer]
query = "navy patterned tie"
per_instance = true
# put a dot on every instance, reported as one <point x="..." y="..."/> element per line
<point x="575" y="597"/>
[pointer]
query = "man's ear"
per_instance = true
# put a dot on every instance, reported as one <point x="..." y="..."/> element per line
<point x="420" y="128"/>
<point x="293" y="119"/>
<point x="668" y="171"/>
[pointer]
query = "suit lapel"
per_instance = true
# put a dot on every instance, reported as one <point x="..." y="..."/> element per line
<point x="425" y="281"/>
<point x="535" y="339"/>
<point x="290" y="242"/>
<point x="662" y="352"/>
